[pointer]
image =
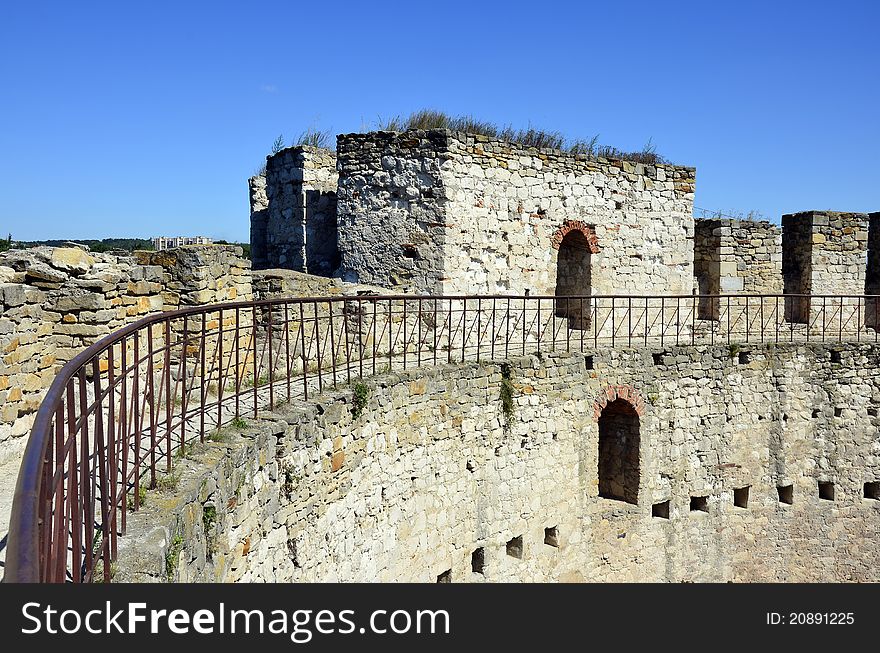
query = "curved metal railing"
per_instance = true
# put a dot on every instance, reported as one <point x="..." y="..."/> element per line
<point x="118" y="414"/>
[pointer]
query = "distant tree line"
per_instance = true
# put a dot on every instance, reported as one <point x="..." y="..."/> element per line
<point x="103" y="245"/>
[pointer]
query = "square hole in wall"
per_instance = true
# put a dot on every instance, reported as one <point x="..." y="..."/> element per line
<point x="836" y="356"/>
<point x="445" y="577"/>
<point x="745" y="357"/>
<point x="786" y="493"/>
<point x="872" y="412"/>
<point x="699" y="504"/>
<point x="838" y="412"/>
<point x="658" y="358"/>
<point x="816" y="413"/>
<point x="660" y="510"/>
<point x="741" y="497"/>
<point x="515" y="547"/>
<point x="478" y="560"/>
<point x="551" y="536"/>
<point x="589" y="362"/>
<point x="872" y="490"/>
<point x="826" y="490"/>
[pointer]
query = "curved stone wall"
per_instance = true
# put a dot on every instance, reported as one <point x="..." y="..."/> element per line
<point x="489" y="472"/>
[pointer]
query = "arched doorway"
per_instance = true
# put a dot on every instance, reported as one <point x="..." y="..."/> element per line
<point x="573" y="278"/>
<point x="619" y="452"/>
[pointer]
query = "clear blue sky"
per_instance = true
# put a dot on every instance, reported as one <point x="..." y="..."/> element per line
<point x="138" y="119"/>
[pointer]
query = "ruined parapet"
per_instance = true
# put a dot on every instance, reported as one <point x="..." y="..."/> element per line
<point x="300" y="200"/>
<point x="391" y="210"/>
<point x="201" y="274"/>
<point x="259" y="204"/>
<point x="57" y="301"/>
<point x="450" y="212"/>
<point x="823" y="253"/>
<point x="736" y="256"/>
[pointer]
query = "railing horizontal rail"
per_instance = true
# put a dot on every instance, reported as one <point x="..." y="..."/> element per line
<point x="116" y="414"/>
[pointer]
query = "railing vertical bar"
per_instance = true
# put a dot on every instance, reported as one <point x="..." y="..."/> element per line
<point x="464" y="329"/>
<point x="305" y="358"/>
<point x="86" y="476"/>
<point x="220" y="380"/>
<point x="419" y="336"/>
<point x="662" y="319"/>
<point x="375" y="326"/>
<point x="184" y="396"/>
<point x="256" y="376"/>
<point x="202" y="383"/>
<point x="102" y="468"/>
<point x="58" y="551"/>
<point x="318" y="348"/>
<point x="151" y="403"/>
<point x="138" y="422"/>
<point x="111" y="448"/>
<point x="269" y="329"/>
<point x="169" y="400"/>
<point x="73" y="487"/>
<point x="494" y="335"/>
<point x="238" y="370"/>
<point x="332" y="342"/>
<point x="125" y="434"/>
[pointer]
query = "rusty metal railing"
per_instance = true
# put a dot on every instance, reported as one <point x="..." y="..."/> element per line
<point x="117" y="415"/>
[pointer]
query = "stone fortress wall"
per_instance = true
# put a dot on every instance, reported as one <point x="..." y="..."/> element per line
<point x="293" y="211"/>
<point x="760" y="464"/>
<point x="446" y="212"/>
<point x="58" y="301"/>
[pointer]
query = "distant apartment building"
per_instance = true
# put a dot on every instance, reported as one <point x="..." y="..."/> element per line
<point x="162" y="242"/>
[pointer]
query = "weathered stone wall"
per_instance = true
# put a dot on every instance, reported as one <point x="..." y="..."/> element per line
<point x="300" y="231"/>
<point x="259" y="204"/>
<point x="737" y="256"/>
<point x="57" y="301"/>
<point x="391" y="209"/>
<point x="823" y="253"/>
<point x="432" y="475"/>
<point x="732" y="256"/>
<point x="442" y="211"/>
<point x="201" y="274"/>
<point x="512" y="208"/>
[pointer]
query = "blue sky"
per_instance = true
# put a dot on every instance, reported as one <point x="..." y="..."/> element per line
<point x="138" y="119"/>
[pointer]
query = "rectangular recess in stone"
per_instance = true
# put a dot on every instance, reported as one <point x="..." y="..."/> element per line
<point x="741" y="496"/>
<point x="838" y="412"/>
<point x="658" y="358"/>
<point x="551" y="536"/>
<point x="786" y="494"/>
<point x="445" y="577"/>
<point x="700" y="504"/>
<point x="826" y="490"/>
<point x="478" y="560"/>
<point x="660" y="510"/>
<point x="836" y="356"/>
<point x="515" y="547"/>
<point x="589" y="362"/>
<point x="745" y="357"/>
<point x="872" y="412"/>
<point x="872" y="490"/>
<point x="816" y="413"/>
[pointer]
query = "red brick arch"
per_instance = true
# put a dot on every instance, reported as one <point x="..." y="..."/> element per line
<point x="576" y="225"/>
<point x="613" y="392"/>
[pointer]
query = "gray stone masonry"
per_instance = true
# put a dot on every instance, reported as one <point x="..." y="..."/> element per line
<point x="434" y="468"/>
<point x="823" y="253"/>
<point x="55" y="302"/>
<point x="298" y="210"/>
<point x="442" y="211"/>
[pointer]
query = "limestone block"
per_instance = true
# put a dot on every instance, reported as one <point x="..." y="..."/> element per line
<point x="71" y="259"/>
